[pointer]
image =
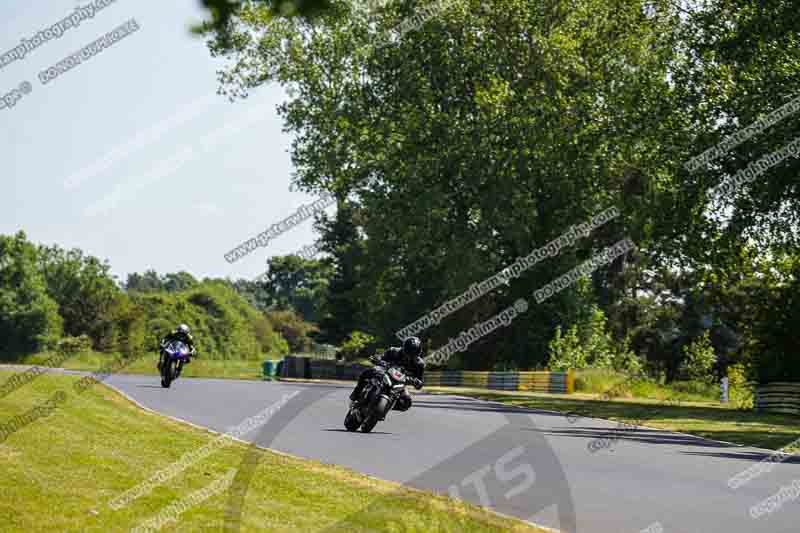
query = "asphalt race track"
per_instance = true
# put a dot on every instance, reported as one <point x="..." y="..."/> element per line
<point x="531" y="464"/>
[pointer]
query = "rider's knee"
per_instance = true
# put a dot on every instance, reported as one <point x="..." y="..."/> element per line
<point x="403" y="403"/>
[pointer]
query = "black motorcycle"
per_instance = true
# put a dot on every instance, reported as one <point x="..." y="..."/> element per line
<point x="173" y="356"/>
<point x="379" y="396"/>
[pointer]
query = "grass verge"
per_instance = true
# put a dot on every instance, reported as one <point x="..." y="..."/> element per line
<point x="60" y="472"/>
<point x="704" y="419"/>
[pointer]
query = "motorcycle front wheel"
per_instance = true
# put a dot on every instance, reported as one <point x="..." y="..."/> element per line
<point x="375" y="414"/>
<point x="167" y="373"/>
<point x="352" y="421"/>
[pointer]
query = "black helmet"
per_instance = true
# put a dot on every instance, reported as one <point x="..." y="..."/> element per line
<point x="412" y="347"/>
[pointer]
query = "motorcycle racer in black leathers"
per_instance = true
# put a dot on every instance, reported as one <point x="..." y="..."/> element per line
<point x="408" y="358"/>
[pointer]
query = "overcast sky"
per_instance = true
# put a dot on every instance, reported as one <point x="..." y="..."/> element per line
<point x="131" y="156"/>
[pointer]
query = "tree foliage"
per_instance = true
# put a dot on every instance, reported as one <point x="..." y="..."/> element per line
<point x="47" y="292"/>
<point x="83" y="288"/>
<point x="476" y="134"/>
<point x="29" y="318"/>
<point x="297" y="332"/>
<point x="699" y="359"/>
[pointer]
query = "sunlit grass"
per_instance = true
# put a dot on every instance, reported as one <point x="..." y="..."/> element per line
<point x="702" y="418"/>
<point x="60" y="472"/>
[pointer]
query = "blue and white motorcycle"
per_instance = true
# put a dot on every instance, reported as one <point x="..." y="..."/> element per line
<point x="174" y="355"/>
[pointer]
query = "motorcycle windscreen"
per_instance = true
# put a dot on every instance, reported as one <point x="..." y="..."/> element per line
<point x="178" y="349"/>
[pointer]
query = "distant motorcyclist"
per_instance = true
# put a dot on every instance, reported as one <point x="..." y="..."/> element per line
<point x="408" y="358"/>
<point x="181" y="333"/>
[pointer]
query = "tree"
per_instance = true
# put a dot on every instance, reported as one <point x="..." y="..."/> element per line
<point x="83" y="288"/>
<point x="297" y="332"/>
<point x="481" y="132"/>
<point x="148" y="282"/>
<point x="223" y="11"/>
<point x="778" y="339"/>
<point x="292" y="282"/>
<point x="699" y="359"/>
<point x="179" y="281"/>
<point x="475" y="104"/>
<point x="255" y="292"/>
<point x="747" y="65"/>
<point x="29" y="319"/>
<point x="346" y="304"/>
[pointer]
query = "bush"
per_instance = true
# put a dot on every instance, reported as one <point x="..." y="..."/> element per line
<point x="624" y="360"/>
<point x="356" y="346"/>
<point x="74" y="345"/>
<point x="223" y="323"/>
<point x="272" y="342"/>
<point x="612" y="384"/>
<point x="740" y="387"/>
<point x="566" y="351"/>
<point x="598" y="380"/>
<point x="590" y="345"/>
<point x="699" y="360"/>
<point x="704" y="388"/>
<point x="649" y="388"/>
<point x="597" y="342"/>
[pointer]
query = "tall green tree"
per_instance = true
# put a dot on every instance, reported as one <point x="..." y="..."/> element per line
<point x="478" y="136"/>
<point x="29" y="318"/>
<point x="348" y="303"/>
<point x="293" y="282"/>
<point x="82" y="286"/>
<point x="478" y="132"/>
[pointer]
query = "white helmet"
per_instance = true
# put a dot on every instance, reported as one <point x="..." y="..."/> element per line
<point x="183" y="328"/>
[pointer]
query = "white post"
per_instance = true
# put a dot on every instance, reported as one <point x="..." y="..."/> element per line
<point x="724" y="387"/>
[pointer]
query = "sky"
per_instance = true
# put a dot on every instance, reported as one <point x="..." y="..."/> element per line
<point x="131" y="155"/>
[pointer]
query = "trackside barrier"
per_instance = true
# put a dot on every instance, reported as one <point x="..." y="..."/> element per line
<point x="540" y="381"/>
<point x="778" y="397"/>
<point x="305" y="367"/>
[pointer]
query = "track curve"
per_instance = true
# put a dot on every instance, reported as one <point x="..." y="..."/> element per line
<point x="478" y="450"/>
